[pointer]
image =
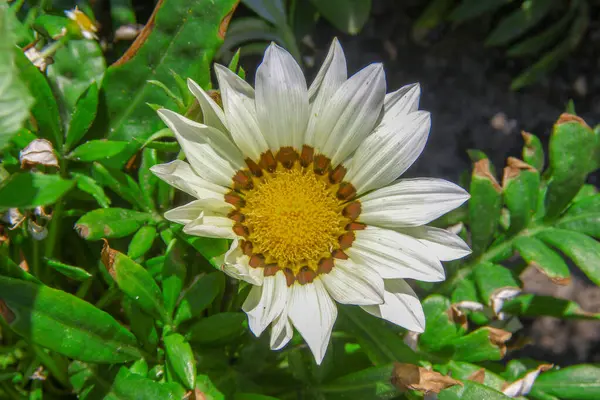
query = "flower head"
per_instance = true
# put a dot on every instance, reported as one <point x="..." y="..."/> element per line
<point x="303" y="181"/>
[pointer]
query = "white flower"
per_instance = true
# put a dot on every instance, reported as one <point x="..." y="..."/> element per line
<point x="86" y="26"/>
<point x="303" y="181"/>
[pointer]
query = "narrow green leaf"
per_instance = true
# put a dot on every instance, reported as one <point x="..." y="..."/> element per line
<point x="520" y="21"/>
<point x="471" y="391"/>
<point x="110" y="223"/>
<point x="89" y="186"/>
<point x="532" y="305"/>
<point x="199" y="296"/>
<point x="571" y="149"/>
<point x="218" y="329"/>
<point x="48" y="316"/>
<point x="50" y="25"/>
<point x="490" y="278"/>
<point x="140" y="367"/>
<point x="83" y="116"/>
<point x="11" y="270"/>
<point x="173" y="275"/>
<point x="579" y="382"/>
<point x="583" y="216"/>
<point x="433" y="15"/>
<point x="95" y="150"/>
<point x="551" y="264"/>
<point x="138" y="284"/>
<point x="142" y="325"/>
<point x="211" y="248"/>
<point x="120" y="183"/>
<point x="29" y="190"/>
<point x="15" y="99"/>
<point x="469" y="9"/>
<point x="271" y="10"/>
<point x="533" y="151"/>
<point x="477" y="346"/>
<point x="147" y="180"/>
<point x="520" y="188"/>
<point x="348" y="16"/>
<point x="45" y="109"/>
<point x="79" y="274"/>
<point x="466" y="290"/>
<point x="181" y="358"/>
<point x="462" y="371"/>
<point x="205" y="386"/>
<point x="484" y="206"/>
<point x="440" y="330"/>
<point x="582" y="249"/>
<point x="370" y="383"/>
<point x="141" y="242"/>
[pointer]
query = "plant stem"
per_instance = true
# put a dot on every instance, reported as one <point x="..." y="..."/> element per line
<point x="49" y="362"/>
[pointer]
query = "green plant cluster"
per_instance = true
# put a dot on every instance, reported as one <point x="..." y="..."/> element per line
<point x="102" y="298"/>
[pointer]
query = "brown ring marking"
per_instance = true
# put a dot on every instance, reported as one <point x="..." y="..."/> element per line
<point x="235" y="200"/>
<point x="325" y="265"/>
<point x="306" y="275"/>
<point x="267" y="161"/>
<point x="271" y="269"/>
<point x="346" y="191"/>
<point x="355" y="226"/>
<point x="287" y="156"/>
<point x="306" y="157"/>
<point x="346" y="240"/>
<point x="256" y="260"/>
<point x="339" y="254"/>
<point x="289" y="277"/>
<point x="236" y="216"/>
<point x="352" y="210"/>
<point x="243" y="180"/>
<point x="321" y="164"/>
<point x="254" y="168"/>
<point x="247" y="247"/>
<point x="337" y="175"/>
<point x="241" y="230"/>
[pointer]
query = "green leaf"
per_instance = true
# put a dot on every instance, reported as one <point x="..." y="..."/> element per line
<point x="206" y="387"/>
<point x="520" y="21"/>
<point x="582" y="249"/>
<point x="435" y="13"/>
<point x="348" y="16"/>
<point x="173" y="275"/>
<point x="218" y="329"/>
<point x="11" y="270"/>
<point x="148" y="181"/>
<point x="579" y="382"/>
<point x="110" y="223"/>
<point x="138" y="284"/>
<point x="571" y="149"/>
<point x="440" y="330"/>
<point x="182" y="31"/>
<point x="84" y="114"/>
<point x="181" y="358"/>
<point x="478" y="346"/>
<point x="76" y="66"/>
<point x="119" y="384"/>
<point x="252" y="396"/>
<point x="45" y="109"/>
<point x="95" y="150"/>
<point x="29" y="190"/>
<point x="199" y="296"/>
<point x="120" y="183"/>
<point x="141" y="242"/>
<point x="551" y="264"/>
<point x="533" y="151"/>
<point x="583" y="216"/>
<point x="490" y="278"/>
<point x="89" y="186"/>
<point x="52" y="26"/>
<point x="271" y="10"/>
<point x="467" y="291"/>
<point x="471" y="391"/>
<point x="370" y="383"/>
<point x="533" y="305"/>
<point x="484" y="206"/>
<point x="79" y="274"/>
<point x="469" y="9"/>
<point x="381" y="344"/>
<point x="520" y="188"/>
<point x="462" y="371"/>
<point x="142" y="325"/>
<point x="47" y="316"/>
<point x="15" y="99"/>
<point x="211" y="248"/>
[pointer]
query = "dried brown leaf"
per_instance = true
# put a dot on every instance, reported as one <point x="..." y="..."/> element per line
<point x="412" y="377"/>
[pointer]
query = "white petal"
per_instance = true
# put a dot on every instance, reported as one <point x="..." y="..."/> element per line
<point x="191" y="211"/>
<point x="212" y="114"/>
<point x="402" y="306"/>
<point x="214" y="226"/>
<point x="411" y="202"/>
<point x="350" y="114"/>
<point x="401" y="102"/>
<point x="328" y="80"/>
<point x="313" y="313"/>
<point x="240" y="113"/>
<point x="235" y="264"/>
<point x="281" y="99"/>
<point x="194" y="133"/>
<point x="281" y="330"/>
<point x="273" y="298"/>
<point x="395" y="255"/>
<point x="202" y="157"/>
<point x="180" y="175"/>
<point x="352" y="283"/>
<point x="445" y="245"/>
<point x="388" y="152"/>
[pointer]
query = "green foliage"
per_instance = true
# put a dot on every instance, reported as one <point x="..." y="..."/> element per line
<point x="149" y="316"/>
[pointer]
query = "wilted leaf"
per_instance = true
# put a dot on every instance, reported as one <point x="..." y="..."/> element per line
<point x="110" y="223"/>
<point x="484" y="206"/>
<point x="38" y="152"/>
<point x="412" y="377"/>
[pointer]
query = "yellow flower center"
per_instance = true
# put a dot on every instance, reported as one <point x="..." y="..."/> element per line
<point x="294" y="212"/>
<point x="293" y="217"/>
